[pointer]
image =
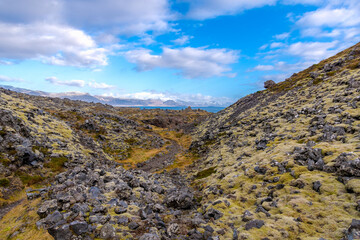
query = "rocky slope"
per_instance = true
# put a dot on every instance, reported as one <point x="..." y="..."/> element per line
<point x="72" y="155"/>
<point x="284" y="163"/>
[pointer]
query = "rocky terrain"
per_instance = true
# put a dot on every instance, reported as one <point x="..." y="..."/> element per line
<point x="60" y="155"/>
<point x="282" y="163"/>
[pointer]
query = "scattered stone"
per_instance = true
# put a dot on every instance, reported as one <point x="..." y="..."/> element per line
<point x="107" y="232"/>
<point x="254" y="224"/>
<point x="213" y="213"/>
<point x="79" y="227"/>
<point x="133" y="225"/>
<point x="316" y="186"/>
<point x="47" y="207"/>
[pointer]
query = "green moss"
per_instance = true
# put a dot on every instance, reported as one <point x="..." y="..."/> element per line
<point x="29" y="179"/>
<point x="332" y="73"/>
<point x="353" y="186"/>
<point x="5" y="162"/>
<point x="205" y="173"/>
<point x="56" y="164"/>
<point x="130" y="141"/>
<point x="4" y="182"/>
<point x="317" y="81"/>
<point x="43" y="150"/>
<point x="354" y="64"/>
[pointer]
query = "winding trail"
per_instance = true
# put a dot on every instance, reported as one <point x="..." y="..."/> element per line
<point x="162" y="159"/>
<point x="4" y="210"/>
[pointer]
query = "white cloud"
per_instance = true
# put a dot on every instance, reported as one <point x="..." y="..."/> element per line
<point x="196" y="99"/>
<point x="204" y="9"/>
<point x="282" y="36"/>
<point x="49" y="30"/>
<point x="276" y="45"/>
<point x="263" y="68"/>
<point x="4" y="62"/>
<point x="23" y="11"/>
<point x="319" y="33"/>
<point x="117" y="16"/>
<point x="10" y="79"/>
<point x="275" y="77"/>
<point x="303" y="2"/>
<point x="284" y="67"/>
<point x="312" y="50"/>
<point x="345" y="17"/>
<point x="182" y="40"/>
<point x="263" y="47"/>
<point x="71" y="83"/>
<point x="79" y="83"/>
<point x="191" y="62"/>
<point x="121" y="16"/>
<point x="100" y="85"/>
<point x="55" y="44"/>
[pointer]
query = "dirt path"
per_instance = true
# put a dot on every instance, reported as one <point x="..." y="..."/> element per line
<point x="162" y="159"/>
<point x="7" y="208"/>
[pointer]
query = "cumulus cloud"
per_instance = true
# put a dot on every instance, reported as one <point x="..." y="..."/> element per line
<point x="96" y="85"/>
<point x="55" y="44"/>
<point x="313" y="50"/>
<point x="4" y="62"/>
<point x="282" y="36"/>
<point x="121" y="16"/>
<point x="276" y="45"/>
<point x="71" y="83"/>
<point x="57" y="31"/>
<point x="303" y="2"/>
<point x="191" y="62"/>
<point x="22" y="11"/>
<point x="182" y="40"/>
<point x="283" y="66"/>
<point x="263" y="47"/>
<point x="204" y="9"/>
<point x="10" y="79"/>
<point x="334" y="19"/>
<point x="344" y="17"/>
<point x="332" y="27"/>
<point x="79" y="83"/>
<point x="263" y="68"/>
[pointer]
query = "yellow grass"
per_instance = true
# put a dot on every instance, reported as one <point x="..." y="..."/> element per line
<point x="22" y="218"/>
<point x="139" y="155"/>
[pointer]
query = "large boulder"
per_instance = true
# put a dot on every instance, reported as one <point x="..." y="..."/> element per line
<point x="180" y="198"/>
<point x="47" y="207"/>
<point x="254" y="224"/>
<point x="269" y="84"/>
<point x="107" y="232"/>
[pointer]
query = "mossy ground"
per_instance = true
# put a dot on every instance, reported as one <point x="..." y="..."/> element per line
<point x="21" y="220"/>
<point x="300" y="213"/>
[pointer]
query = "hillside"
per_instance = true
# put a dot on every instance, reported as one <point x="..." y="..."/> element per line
<point x="90" y="145"/>
<point x="282" y="163"/>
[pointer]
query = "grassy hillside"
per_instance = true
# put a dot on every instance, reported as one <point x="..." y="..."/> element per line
<point x="287" y="156"/>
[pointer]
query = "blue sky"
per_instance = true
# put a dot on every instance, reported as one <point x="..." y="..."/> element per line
<point x="204" y="51"/>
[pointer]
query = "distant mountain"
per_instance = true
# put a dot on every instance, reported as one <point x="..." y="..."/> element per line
<point x="121" y="102"/>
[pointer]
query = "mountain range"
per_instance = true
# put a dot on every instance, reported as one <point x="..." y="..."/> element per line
<point x="114" y="101"/>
